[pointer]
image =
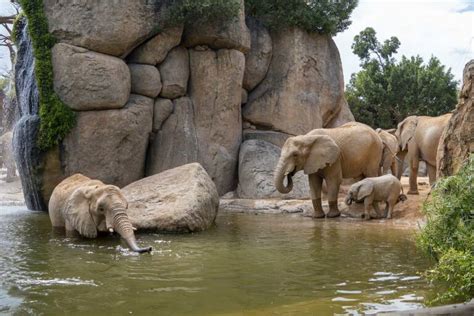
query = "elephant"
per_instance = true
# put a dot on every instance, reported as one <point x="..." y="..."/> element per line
<point x="6" y="150"/>
<point x="89" y="206"/>
<point x="390" y="150"/>
<point x="385" y="188"/>
<point x="353" y="150"/>
<point x="418" y="139"/>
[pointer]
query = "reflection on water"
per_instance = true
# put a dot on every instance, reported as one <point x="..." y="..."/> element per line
<point x="245" y="264"/>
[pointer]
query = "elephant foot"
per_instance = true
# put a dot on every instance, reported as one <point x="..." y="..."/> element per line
<point x="366" y="216"/>
<point x="318" y="209"/>
<point x="413" y="192"/>
<point x="333" y="210"/>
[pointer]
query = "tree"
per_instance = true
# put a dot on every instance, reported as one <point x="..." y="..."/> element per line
<point x="385" y="91"/>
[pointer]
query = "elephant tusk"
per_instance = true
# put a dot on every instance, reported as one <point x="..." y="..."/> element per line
<point x="134" y="229"/>
<point x="111" y="230"/>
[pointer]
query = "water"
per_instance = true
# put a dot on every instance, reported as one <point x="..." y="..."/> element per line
<point x="246" y="264"/>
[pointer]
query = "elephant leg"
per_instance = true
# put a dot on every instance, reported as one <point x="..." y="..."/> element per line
<point x="333" y="191"/>
<point x="368" y="203"/>
<point x="431" y="173"/>
<point x="414" y="162"/>
<point x="375" y="206"/>
<point x="315" y="184"/>
<point x="401" y="159"/>
<point x="394" y="167"/>
<point x="389" y="209"/>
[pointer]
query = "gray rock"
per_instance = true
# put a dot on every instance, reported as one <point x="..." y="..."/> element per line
<point x="176" y="143"/>
<point x="146" y="80"/>
<point x="86" y="80"/>
<point x="244" y="96"/>
<point x="232" y="34"/>
<point x="99" y="26"/>
<point x="175" y="73"/>
<point x="257" y="162"/>
<point x="154" y="51"/>
<point x="257" y="60"/>
<point x="183" y="199"/>
<point x="110" y="145"/>
<point x="305" y="74"/>
<point x="276" y="138"/>
<point x="215" y="89"/>
<point x="162" y="110"/>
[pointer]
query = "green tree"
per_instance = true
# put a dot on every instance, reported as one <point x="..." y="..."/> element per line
<point x="322" y="16"/>
<point x="385" y="91"/>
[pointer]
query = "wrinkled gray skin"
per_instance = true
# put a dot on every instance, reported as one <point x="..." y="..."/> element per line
<point x="6" y="156"/>
<point x="390" y="151"/>
<point x="88" y="207"/>
<point x="371" y="191"/>
<point x="352" y="150"/>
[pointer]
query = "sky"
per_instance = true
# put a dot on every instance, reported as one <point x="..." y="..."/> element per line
<point x="441" y="28"/>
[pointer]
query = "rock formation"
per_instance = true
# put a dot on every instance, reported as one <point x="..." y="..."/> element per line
<point x="148" y="100"/>
<point x="457" y="141"/>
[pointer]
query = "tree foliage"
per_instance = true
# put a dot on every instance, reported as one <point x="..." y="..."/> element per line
<point x="385" y="91"/>
<point x="449" y="235"/>
<point x="322" y="16"/>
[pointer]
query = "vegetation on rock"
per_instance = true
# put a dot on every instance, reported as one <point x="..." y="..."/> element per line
<point x="385" y="91"/>
<point x="449" y="235"/>
<point x="191" y="11"/>
<point x="322" y="16"/>
<point x="57" y="119"/>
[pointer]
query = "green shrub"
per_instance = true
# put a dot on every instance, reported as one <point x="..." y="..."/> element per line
<point x="322" y="16"/>
<point x="449" y="235"/>
<point x="57" y="119"/>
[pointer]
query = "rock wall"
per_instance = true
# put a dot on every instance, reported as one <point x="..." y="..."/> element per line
<point x="457" y="141"/>
<point x="148" y="102"/>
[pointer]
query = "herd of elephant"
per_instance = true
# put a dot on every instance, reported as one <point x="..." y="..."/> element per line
<point x="356" y="151"/>
<point x="353" y="150"/>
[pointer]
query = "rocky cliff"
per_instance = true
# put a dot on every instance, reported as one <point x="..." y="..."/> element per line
<point x="457" y="142"/>
<point x="147" y="100"/>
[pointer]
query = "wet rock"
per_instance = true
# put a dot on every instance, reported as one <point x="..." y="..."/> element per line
<point x="154" y="51"/>
<point x="257" y="162"/>
<point x="145" y="80"/>
<point x="232" y="34"/>
<point x="257" y="60"/>
<point x="96" y="25"/>
<point x="183" y="199"/>
<point x="111" y="145"/>
<point x="305" y="74"/>
<point x="176" y="143"/>
<point x="86" y="80"/>
<point x="215" y="90"/>
<point x="162" y="110"/>
<point x="175" y="73"/>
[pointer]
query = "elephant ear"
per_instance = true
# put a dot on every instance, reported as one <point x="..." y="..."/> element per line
<point x="323" y="152"/>
<point x="77" y="213"/>
<point x="365" y="189"/>
<point x="407" y="131"/>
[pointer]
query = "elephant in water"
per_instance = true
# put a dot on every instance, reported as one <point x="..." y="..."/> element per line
<point x="353" y="150"/>
<point x="418" y="138"/>
<point x="6" y="159"/>
<point x="89" y="206"/>
<point x="378" y="189"/>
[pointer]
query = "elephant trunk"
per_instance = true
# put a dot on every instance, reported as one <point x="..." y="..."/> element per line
<point x="122" y="225"/>
<point x="279" y="176"/>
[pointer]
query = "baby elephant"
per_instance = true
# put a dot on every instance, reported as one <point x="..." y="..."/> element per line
<point x="378" y="189"/>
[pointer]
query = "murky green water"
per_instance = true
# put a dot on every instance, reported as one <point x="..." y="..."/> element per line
<point x="247" y="264"/>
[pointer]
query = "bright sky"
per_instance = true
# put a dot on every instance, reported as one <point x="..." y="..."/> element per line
<point x="443" y="28"/>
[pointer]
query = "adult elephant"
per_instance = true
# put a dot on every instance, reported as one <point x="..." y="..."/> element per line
<point x="418" y="138"/>
<point x="390" y="150"/>
<point x="88" y="207"/>
<point x="353" y="150"/>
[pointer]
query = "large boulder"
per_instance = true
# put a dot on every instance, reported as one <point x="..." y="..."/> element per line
<point x="86" y="80"/>
<point x="457" y="141"/>
<point x="176" y="143"/>
<point x="154" y="51"/>
<point x="215" y="90"/>
<point x="175" y="73"/>
<point x="304" y="86"/>
<point x="110" y="145"/>
<point x="231" y="34"/>
<point x="146" y="80"/>
<point x="257" y="162"/>
<point x="183" y="199"/>
<point x="276" y="138"/>
<point x="161" y="111"/>
<point x="257" y="60"/>
<point x="99" y="26"/>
